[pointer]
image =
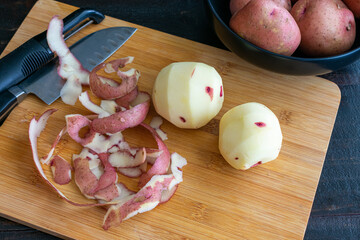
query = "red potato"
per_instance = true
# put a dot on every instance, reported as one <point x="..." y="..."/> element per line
<point x="327" y="27"/>
<point x="284" y="3"/>
<point x="354" y="6"/>
<point x="236" y="5"/>
<point x="268" y="26"/>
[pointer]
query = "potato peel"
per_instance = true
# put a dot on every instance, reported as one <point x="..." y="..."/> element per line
<point x="87" y="103"/>
<point x="61" y="170"/>
<point x="133" y="172"/>
<point x="121" y="120"/>
<point x="105" y="90"/>
<point x="46" y="159"/>
<point x="69" y="68"/>
<point x="155" y="123"/>
<point x="125" y="101"/>
<point x="161" y="163"/>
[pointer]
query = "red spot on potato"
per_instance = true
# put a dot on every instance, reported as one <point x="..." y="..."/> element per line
<point x="210" y="91"/>
<point x="221" y="91"/>
<point x="182" y="119"/>
<point x="192" y="74"/>
<point x="260" y="124"/>
<point x="258" y="163"/>
<point x="236" y="158"/>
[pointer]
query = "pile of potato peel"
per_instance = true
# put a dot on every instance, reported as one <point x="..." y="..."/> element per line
<point x="105" y="153"/>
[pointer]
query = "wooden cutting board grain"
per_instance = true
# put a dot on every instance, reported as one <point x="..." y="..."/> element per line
<point x="272" y="201"/>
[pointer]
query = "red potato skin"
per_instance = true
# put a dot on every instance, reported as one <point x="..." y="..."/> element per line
<point x="236" y="5"/>
<point x="121" y="120"/>
<point x="124" y="101"/>
<point x="268" y="26"/>
<point x="61" y="172"/>
<point x="109" y="176"/>
<point x="284" y="3"/>
<point x="354" y="6"/>
<point x="162" y="162"/>
<point x="74" y="124"/>
<point x="108" y="193"/>
<point x="84" y="178"/>
<point x="108" y="92"/>
<point x="327" y="27"/>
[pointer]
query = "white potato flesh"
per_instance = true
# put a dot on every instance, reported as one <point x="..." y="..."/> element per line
<point x="188" y="94"/>
<point x="250" y="135"/>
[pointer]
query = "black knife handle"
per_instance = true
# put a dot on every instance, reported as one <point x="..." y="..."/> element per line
<point x="9" y="99"/>
<point x="7" y="103"/>
<point x="35" y="53"/>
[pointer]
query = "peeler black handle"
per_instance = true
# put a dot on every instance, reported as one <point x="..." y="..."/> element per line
<point x="33" y="54"/>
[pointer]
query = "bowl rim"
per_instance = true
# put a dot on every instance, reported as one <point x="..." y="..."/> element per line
<point x="276" y="54"/>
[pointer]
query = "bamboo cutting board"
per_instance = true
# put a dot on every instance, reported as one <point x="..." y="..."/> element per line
<point x="272" y="201"/>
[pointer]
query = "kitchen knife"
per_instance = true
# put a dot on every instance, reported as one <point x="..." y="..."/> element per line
<point x="33" y="54"/>
<point x="46" y="83"/>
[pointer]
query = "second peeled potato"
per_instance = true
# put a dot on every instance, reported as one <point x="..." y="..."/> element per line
<point x="250" y="135"/>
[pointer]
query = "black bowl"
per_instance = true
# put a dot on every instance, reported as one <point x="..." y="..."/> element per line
<point x="297" y="64"/>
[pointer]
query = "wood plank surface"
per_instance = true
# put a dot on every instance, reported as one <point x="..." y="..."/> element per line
<point x="272" y="201"/>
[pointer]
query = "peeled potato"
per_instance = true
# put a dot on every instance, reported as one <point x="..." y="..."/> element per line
<point x="188" y="94"/>
<point x="249" y="135"/>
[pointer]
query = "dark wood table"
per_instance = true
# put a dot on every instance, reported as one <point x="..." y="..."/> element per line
<point x="336" y="210"/>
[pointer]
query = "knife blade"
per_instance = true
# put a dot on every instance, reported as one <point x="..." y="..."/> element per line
<point x="46" y="83"/>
